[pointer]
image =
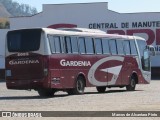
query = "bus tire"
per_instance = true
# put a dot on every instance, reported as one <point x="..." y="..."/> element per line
<point x="101" y="89"/>
<point x="46" y="92"/>
<point x="132" y="84"/>
<point x="79" y="87"/>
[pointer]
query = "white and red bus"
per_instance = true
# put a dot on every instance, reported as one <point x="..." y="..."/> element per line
<point x="50" y="60"/>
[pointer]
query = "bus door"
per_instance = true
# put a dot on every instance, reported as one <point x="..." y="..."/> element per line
<point x="127" y="64"/>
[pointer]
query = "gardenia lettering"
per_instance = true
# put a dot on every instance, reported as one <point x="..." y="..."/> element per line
<point x="23" y="62"/>
<point x="63" y="62"/>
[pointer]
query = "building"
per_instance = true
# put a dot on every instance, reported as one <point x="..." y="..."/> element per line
<point x="96" y="16"/>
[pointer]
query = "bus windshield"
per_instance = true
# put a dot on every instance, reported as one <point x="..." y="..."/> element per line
<point x="24" y="40"/>
<point x="145" y="59"/>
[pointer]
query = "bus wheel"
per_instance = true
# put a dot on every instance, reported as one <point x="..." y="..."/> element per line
<point x="46" y="92"/>
<point x="132" y="84"/>
<point x="101" y="89"/>
<point x="80" y="86"/>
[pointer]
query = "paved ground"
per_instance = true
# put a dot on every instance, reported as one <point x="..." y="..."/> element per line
<point x="145" y="98"/>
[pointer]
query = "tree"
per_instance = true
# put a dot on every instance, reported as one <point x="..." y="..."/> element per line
<point x="16" y="9"/>
<point x="4" y="23"/>
<point x="7" y="25"/>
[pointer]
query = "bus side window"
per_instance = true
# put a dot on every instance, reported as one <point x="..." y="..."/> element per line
<point x="105" y="46"/>
<point x="52" y="44"/>
<point x="62" y="45"/>
<point x="68" y="44"/>
<point x="81" y="45"/>
<point x="133" y="47"/>
<point x="55" y="44"/>
<point x="74" y="43"/>
<point x="89" y="45"/>
<point x="113" y="47"/>
<point x="98" y="46"/>
<point x="127" y="47"/>
<point x="120" y="47"/>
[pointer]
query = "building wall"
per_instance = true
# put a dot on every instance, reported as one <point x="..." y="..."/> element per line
<point x="96" y="15"/>
<point x="2" y="47"/>
<point x="2" y="52"/>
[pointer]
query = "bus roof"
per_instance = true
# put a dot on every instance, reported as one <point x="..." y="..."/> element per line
<point x="87" y="32"/>
<point x="83" y="32"/>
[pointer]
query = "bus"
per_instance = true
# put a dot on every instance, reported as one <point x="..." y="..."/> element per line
<point x="50" y="60"/>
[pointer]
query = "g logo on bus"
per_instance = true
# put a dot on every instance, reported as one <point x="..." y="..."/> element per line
<point x="113" y="70"/>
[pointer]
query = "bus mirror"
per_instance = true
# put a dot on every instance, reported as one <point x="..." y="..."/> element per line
<point x="151" y="49"/>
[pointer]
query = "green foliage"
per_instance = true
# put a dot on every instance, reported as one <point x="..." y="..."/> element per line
<point x="16" y="9"/>
<point x="4" y="23"/>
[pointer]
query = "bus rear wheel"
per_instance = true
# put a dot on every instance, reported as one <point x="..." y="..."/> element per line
<point x="79" y="87"/>
<point x="101" y="89"/>
<point x="132" y="85"/>
<point x="46" y="92"/>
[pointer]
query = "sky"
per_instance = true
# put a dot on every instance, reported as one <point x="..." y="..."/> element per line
<point x="121" y="6"/>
